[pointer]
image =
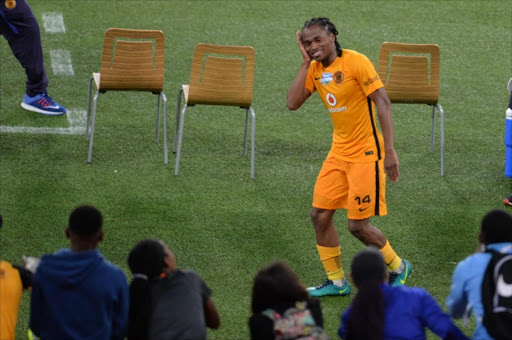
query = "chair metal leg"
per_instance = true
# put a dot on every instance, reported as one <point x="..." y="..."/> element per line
<point x="253" y="138"/>
<point x="180" y="139"/>
<point x="442" y="137"/>
<point x="88" y="109"/>
<point x="157" y="133"/>
<point x="177" y="121"/>
<point x="166" y="158"/>
<point x="433" y="130"/>
<point x="245" y="133"/>
<point x="91" y="137"/>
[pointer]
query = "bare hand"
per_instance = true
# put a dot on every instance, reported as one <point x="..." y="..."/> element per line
<point x="391" y="166"/>
<point x="305" y="54"/>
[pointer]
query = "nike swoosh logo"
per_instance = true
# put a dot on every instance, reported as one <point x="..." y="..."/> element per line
<point x="343" y="290"/>
<point x="363" y="209"/>
<point x="504" y="289"/>
<point x="52" y="107"/>
<point x="406" y="270"/>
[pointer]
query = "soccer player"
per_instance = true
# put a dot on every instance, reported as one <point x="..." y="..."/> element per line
<point x="353" y="177"/>
<point x="19" y="26"/>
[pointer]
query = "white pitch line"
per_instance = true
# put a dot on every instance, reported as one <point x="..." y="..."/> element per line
<point x="36" y="130"/>
<point x="53" y="23"/>
<point x="61" y="62"/>
<point x="76" y="119"/>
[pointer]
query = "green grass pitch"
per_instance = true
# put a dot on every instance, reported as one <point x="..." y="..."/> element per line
<point x="213" y="216"/>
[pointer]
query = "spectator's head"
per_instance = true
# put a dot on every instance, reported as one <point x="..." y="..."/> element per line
<point x="368" y="265"/>
<point x="496" y="227"/>
<point x="150" y="258"/>
<point x="275" y="284"/>
<point x="367" y="316"/>
<point x="85" y="220"/>
<point x="85" y="228"/>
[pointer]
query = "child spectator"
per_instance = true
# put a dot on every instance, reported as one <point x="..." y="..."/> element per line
<point x="76" y="293"/>
<point x="380" y="311"/>
<point x="166" y="302"/>
<point x="465" y="296"/>
<point x="282" y="307"/>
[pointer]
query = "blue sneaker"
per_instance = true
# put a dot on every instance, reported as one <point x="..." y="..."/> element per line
<point x="328" y="288"/>
<point x="396" y="279"/>
<point x="42" y="103"/>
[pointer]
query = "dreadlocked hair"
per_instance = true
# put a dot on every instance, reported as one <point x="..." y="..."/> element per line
<point x="146" y="262"/>
<point x="326" y="24"/>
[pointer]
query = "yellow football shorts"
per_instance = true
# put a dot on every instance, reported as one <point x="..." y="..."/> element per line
<point x="359" y="188"/>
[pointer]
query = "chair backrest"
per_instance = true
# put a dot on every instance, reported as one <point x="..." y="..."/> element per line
<point x="132" y="60"/>
<point x="222" y="75"/>
<point x="410" y="72"/>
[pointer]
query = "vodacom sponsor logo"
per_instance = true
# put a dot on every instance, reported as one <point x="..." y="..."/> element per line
<point x="330" y="99"/>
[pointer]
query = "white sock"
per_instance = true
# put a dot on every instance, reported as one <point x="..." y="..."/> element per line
<point x="400" y="269"/>
<point x="339" y="283"/>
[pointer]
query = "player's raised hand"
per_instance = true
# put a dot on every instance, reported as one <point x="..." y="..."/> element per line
<point x="305" y="54"/>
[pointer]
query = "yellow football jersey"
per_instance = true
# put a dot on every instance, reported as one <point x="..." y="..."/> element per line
<point x="344" y="87"/>
<point x="11" y="289"/>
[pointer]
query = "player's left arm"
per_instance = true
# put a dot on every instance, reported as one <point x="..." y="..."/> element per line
<point x="383" y="104"/>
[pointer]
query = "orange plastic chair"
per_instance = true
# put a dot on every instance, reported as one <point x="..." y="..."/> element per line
<point x="220" y="75"/>
<point x="410" y="73"/>
<point x="132" y="60"/>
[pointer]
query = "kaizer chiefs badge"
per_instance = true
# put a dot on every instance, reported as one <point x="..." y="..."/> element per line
<point x="338" y="77"/>
<point x="10" y="4"/>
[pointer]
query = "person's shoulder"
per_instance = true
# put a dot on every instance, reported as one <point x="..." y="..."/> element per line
<point x="354" y="59"/>
<point x="5" y="265"/>
<point x="50" y="259"/>
<point x="62" y="252"/>
<point x="111" y="267"/>
<point x="315" y="65"/>
<point x="190" y="273"/>
<point x="353" y="55"/>
<point x="408" y="291"/>
<point x="419" y="291"/>
<point x="473" y="261"/>
<point x="189" y="276"/>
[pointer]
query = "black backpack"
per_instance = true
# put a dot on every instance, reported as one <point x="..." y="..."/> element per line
<point x="497" y="296"/>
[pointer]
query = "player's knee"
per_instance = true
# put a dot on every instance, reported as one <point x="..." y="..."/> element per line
<point x="316" y="215"/>
<point x="321" y="218"/>
<point x="358" y="226"/>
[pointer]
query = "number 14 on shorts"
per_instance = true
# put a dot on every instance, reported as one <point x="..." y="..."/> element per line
<point x="366" y="200"/>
